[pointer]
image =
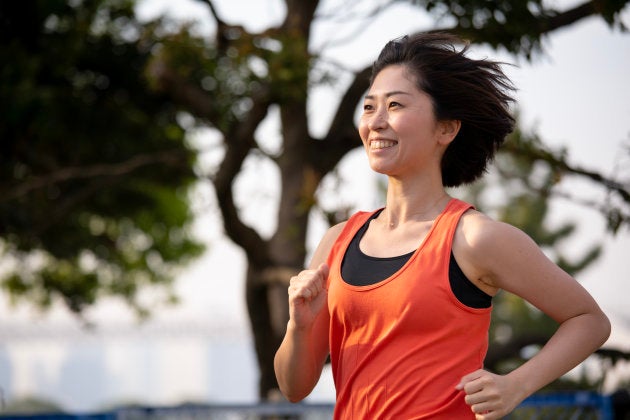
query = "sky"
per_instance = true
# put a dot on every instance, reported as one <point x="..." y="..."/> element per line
<point x="576" y="95"/>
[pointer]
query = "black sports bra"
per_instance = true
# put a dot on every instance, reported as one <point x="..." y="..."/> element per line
<point x="359" y="269"/>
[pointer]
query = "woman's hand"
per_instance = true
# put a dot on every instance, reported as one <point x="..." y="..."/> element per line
<point x="307" y="296"/>
<point x="490" y="396"/>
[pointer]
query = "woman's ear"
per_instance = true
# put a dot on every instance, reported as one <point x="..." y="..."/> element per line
<point x="448" y="130"/>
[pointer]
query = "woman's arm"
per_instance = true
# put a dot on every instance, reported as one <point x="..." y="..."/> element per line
<point x="503" y="257"/>
<point x="301" y="357"/>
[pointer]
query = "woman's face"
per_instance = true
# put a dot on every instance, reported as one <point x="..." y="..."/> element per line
<point x="398" y="126"/>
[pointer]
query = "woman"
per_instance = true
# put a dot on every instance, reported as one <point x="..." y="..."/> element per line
<point x="400" y="298"/>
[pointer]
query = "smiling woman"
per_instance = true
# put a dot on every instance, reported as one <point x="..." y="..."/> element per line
<point x="432" y="118"/>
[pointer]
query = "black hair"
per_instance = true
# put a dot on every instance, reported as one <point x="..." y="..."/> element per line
<point x="475" y="92"/>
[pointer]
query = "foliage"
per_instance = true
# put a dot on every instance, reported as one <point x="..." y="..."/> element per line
<point x="517" y="26"/>
<point x="94" y="167"/>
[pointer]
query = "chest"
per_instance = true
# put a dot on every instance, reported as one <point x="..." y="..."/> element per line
<point x="384" y="242"/>
<point x="415" y="299"/>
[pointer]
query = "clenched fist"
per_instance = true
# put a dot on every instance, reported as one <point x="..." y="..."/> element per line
<point x="490" y="396"/>
<point x="307" y="296"/>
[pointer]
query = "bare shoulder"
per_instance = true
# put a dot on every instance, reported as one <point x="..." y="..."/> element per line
<point x="334" y="231"/>
<point x="489" y="248"/>
<point x="332" y="234"/>
<point x="326" y="243"/>
<point x="483" y="233"/>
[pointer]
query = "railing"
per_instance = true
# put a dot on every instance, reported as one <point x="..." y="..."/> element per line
<point x="557" y="406"/>
<point x="570" y="405"/>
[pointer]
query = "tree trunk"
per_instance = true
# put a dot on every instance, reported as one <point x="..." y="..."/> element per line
<point x="267" y="338"/>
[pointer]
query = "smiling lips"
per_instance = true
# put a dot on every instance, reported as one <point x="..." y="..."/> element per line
<point x="382" y="144"/>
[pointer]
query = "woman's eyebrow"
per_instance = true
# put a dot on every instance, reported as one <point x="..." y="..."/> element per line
<point x="388" y="94"/>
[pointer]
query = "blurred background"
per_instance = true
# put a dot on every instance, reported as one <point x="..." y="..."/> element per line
<point x="166" y="166"/>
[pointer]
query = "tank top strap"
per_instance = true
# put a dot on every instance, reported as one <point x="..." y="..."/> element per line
<point x="446" y="223"/>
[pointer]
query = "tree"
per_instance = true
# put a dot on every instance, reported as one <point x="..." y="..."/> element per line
<point x="235" y="81"/>
<point x="95" y="168"/>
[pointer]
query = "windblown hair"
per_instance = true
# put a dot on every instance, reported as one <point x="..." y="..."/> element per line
<point x="475" y="92"/>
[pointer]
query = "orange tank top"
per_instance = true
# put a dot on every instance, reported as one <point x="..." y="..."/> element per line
<point x="398" y="347"/>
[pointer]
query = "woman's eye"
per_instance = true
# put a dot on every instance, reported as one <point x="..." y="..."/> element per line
<point x="394" y="104"/>
<point x="367" y="107"/>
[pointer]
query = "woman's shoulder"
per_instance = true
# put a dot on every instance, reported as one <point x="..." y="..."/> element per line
<point x="333" y="232"/>
<point x="489" y="247"/>
<point x="481" y="231"/>
<point x="326" y="243"/>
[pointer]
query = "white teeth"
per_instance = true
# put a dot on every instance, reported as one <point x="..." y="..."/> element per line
<point x="381" y="144"/>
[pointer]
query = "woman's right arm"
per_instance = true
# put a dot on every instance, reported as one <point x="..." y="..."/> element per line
<point x="301" y="357"/>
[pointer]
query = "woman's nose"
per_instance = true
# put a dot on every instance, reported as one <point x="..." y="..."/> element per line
<point x="378" y="120"/>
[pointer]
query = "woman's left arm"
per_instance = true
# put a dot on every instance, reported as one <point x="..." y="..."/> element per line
<point x="506" y="258"/>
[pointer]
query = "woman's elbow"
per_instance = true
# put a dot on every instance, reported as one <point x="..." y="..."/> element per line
<point x="293" y="393"/>
<point x="294" y="397"/>
<point x="604" y="328"/>
<point x="290" y="390"/>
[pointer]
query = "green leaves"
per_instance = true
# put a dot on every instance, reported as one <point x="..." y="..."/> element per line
<point x="94" y="165"/>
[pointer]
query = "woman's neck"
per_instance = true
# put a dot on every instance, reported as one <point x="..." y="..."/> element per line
<point x="413" y="202"/>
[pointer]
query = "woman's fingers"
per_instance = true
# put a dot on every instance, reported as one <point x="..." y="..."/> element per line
<point x="308" y="284"/>
<point x="307" y="295"/>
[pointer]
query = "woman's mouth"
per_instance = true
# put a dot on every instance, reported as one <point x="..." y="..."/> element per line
<point x="382" y="144"/>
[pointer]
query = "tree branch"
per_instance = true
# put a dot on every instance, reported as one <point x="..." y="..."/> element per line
<point x="300" y="14"/>
<point x="525" y="38"/>
<point x="535" y="154"/>
<point x="169" y="157"/>
<point x="213" y="11"/>
<point x="223" y="39"/>
<point x="568" y="17"/>
<point x="65" y="206"/>
<point x="238" y="145"/>
<point x="342" y="135"/>
<point x="577" y="13"/>
<point x="192" y="97"/>
<point x="614" y="355"/>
